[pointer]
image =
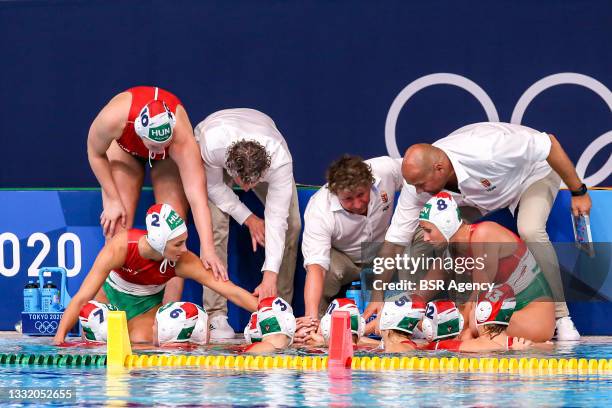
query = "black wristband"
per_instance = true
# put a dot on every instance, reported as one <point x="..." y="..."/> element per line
<point x="580" y="192"/>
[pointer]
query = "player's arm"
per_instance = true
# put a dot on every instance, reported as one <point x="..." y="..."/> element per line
<point x="189" y="266"/>
<point x="106" y="127"/>
<point x="111" y="256"/>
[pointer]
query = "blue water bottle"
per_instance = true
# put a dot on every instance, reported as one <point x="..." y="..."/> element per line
<point x="354" y="293"/>
<point x="31" y="297"/>
<point x="50" y="297"/>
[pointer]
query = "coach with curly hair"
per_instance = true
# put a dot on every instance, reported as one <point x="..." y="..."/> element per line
<point x="354" y="207"/>
<point x="243" y="146"/>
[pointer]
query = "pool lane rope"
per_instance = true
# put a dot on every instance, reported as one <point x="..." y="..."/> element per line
<point x="119" y="355"/>
<point x="540" y="366"/>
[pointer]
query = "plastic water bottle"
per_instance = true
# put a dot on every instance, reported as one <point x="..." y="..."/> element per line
<point x="354" y="293"/>
<point x="31" y="297"/>
<point x="50" y="297"/>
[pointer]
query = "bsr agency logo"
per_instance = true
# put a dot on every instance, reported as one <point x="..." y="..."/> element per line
<point x="528" y="96"/>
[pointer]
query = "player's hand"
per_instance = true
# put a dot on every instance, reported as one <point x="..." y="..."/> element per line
<point x="372" y="308"/>
<point x="257" y="228"/>
<point x="57" y="340"/>
<point x="211" y="261"/>
<point x="581" y="205"/>
<point x="303" y="327"/>
<point x="113" y="214"/>
<point x="314" y="339"/>
<point x="520" y="343"/>
<point x="267" y="287"/>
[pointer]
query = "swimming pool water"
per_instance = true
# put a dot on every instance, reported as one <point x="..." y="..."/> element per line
<point x="197" y="387"/>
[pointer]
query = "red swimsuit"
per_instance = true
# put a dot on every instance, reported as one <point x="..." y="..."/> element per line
<point x="139" y="270"/>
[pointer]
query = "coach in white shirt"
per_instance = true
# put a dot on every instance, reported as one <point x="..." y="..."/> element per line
<point x="243" y="146"/>
<point x="355" y="206"/>
<point x="490" y="166"/>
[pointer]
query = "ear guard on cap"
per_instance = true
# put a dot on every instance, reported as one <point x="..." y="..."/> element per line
<point x="402" y="313"/>
<point x="177" y="322"/>
<point x="252" y="334"/>
<point x="275" y="316"/>
<point x="201" y="334"/>
<point x="93" y="318"/>
<point x="442" y="211"/>
<point x="357" y="321"/>
<point x="155" y="122"/>
<point x="496" y="306"/>
<point x="442" y="320"/>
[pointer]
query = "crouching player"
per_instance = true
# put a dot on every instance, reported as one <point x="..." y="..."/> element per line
<point x="505" y="259"/>
<point x="397" y="322"/>
<point x="175" y="323"/>
<point x="492" y="315"/>
<point x="132" y="269"/>
<point x="271" y="328"/>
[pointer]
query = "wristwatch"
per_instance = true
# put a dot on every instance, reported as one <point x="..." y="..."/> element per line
<point x="580" y="192"/>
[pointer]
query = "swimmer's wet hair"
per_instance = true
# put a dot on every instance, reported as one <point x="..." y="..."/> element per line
<point x="248" y="160"/>
<point x="348" y="173"/>
<point x="495" y="330"/>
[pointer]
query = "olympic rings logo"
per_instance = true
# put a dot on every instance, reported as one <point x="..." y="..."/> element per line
<point x="46" y="327"/>
<point x="517" y="114"/>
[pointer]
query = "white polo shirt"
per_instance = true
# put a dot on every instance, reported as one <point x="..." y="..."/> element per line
<point x="214" y="135"/>
<point x="494" y="163"/>
<point x="327" y="224"/>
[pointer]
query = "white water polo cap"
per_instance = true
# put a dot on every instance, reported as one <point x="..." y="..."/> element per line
<point x="163" y="224"/>
<point x="252" y="334"/>
<point x="155" y="122"/>
<point x="275" y="316"/>
<point x="402" y="313"/>
<point x="496" y="306"/>
<point x="442" y="211"/>
<point x="343" y="304"/>
<point x="181" y="322"/>
<point x="442" y="320"/>
<point x="93" y="318"/>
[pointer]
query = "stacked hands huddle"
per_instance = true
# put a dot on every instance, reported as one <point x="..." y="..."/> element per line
<point x="443" y="189"/>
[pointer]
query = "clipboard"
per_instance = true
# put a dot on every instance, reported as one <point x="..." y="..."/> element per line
<point x="582" y="234"/>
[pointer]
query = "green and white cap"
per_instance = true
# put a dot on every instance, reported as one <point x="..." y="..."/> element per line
<point x="163" y="224"/>
<point x="442" y="320"/>
<point x="495" y="306"/>
<point x="155" y="122"/>
<point x="180" y="322"/>
<point x="252" y="334"/>
<point x="442" y="211"/>
<point x="343" y="304"/>
<point x="275" y="316"/>
<point x="93" y="318"/>
<point x="402" y="313"/>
